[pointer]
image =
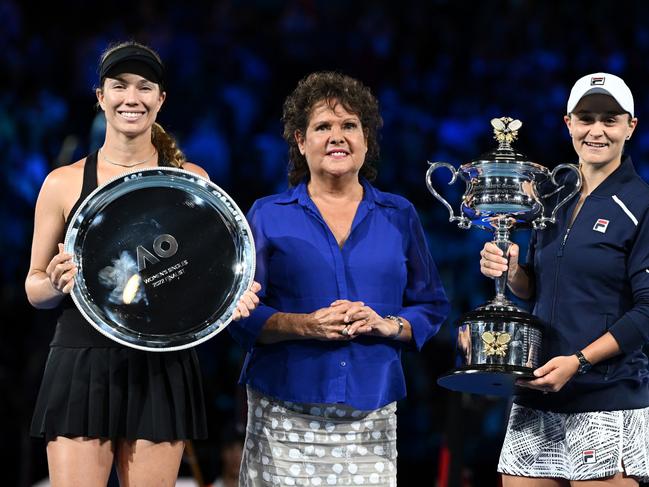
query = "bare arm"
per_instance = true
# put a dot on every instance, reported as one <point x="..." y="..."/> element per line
<point x="284" y="326"/>
<point x="51" y="271"/>
<point x="196" y="169"/>
<point x="520" y="283"/>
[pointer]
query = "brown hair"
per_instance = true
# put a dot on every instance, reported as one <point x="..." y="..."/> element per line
<point x="333" y="88"/>
<point x="168" y="150"/>
<point x="166" y="146"/>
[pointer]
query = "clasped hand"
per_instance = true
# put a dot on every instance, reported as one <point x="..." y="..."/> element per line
<point x="346" y="320"/>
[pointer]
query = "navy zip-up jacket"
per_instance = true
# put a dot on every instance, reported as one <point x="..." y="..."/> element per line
<point x="590" y="279"/>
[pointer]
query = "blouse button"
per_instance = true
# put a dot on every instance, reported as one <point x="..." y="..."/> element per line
<point x="343" y="364"/>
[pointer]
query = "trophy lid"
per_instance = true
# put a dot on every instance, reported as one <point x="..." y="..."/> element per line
<point x="505" y="132"/>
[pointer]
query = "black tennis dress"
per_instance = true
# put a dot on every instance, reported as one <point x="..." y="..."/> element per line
<point x="95" y="387"/>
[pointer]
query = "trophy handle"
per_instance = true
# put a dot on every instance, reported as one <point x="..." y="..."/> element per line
<point x="463" y="222"/>
<point x="541" y="221"/>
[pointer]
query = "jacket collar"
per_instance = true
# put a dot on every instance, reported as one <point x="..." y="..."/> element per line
<point x="617" y="179"/>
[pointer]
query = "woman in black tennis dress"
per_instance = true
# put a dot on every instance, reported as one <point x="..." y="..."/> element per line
<point x="101" y="402"/>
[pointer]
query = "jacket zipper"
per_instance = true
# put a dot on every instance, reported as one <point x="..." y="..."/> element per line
<point x="563" y="242"/>
<point x="559" y="257"/>
<point x="556" y="276"/>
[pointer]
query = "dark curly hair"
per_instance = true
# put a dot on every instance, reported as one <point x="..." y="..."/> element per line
<point x="333" y="88"/>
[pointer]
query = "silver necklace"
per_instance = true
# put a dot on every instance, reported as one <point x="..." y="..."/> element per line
<point x="128" y="165"/>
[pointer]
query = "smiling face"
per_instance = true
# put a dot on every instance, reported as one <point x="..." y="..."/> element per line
<point x="130" y="102"/>
<point x="599" y="127"/>
<point x="334" y="143"/>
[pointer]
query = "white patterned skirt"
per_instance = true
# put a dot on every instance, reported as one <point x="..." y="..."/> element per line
<point x="576" y="446"/>
<point x="295" y="444"/>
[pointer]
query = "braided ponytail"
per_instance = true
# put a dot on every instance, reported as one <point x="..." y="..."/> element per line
<point x="166" y="146"/>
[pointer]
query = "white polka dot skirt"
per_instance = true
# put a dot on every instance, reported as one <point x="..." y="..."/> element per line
<point x="576" y="446"/>
<point x="296" y="444"/>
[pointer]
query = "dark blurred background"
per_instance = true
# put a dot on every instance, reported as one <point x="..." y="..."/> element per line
<point x="441" y="70"/>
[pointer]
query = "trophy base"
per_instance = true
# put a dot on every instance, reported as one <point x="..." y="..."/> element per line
<point x="489" y="380"/>
<point x="500" y="306"/>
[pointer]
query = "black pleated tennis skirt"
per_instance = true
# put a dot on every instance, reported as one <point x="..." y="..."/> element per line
<point x="120" y="393"/>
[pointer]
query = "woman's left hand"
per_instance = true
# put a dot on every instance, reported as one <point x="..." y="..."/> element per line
<point x="363" y="320"/>
<point x="248" y="302"/>
<point x="552" y="376"/>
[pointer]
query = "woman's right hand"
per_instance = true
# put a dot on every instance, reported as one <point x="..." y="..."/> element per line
<point x="329" y="323"/>
<point x="493" y="263"/>
<point x="61" y="271"/>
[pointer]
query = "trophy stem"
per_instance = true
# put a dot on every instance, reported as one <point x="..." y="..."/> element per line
<point x="501" y="282"/>
<point x="503" y="227"/>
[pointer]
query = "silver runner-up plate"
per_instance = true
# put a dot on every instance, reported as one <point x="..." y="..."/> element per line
<point x="163" y="257"/>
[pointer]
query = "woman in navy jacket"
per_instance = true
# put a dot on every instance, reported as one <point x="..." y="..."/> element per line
<point x="586" y="414"/>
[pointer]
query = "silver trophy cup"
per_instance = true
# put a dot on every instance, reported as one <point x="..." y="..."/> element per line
<point x="499" y="342"/>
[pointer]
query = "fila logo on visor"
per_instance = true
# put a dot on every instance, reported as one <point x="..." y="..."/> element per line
<point x="601" y="225"/>
<point x="597" y="80"/>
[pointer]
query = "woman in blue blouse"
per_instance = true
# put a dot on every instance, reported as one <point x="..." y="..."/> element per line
<point x="347" y="281"/>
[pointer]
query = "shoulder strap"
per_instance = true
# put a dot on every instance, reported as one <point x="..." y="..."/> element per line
<point x="89" y="176"/>
<point x="89" y="183"/>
